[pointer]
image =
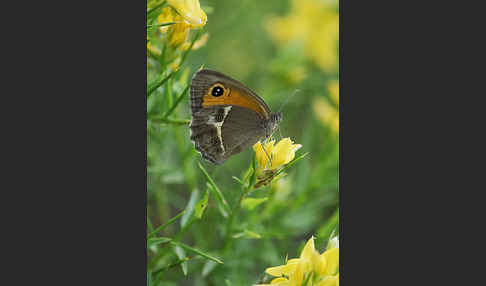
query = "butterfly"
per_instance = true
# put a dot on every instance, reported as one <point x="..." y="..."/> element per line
<point x="226" y="116"/>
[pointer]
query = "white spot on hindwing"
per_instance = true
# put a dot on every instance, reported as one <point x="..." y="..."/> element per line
<point x="218" y="125"/>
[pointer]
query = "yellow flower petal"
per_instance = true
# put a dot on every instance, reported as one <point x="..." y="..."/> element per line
<point x="280" y="281"/>
<point x="166" y="16"/>
<point x="332" y="257"/>
<point x="281" y="154"/>
<point x="296" y="277"/>
<point x="308" y="249"/>
<point x="179" y="33"/>
<point x="319" y="264"/>
<point x="284" y="269"/>
<point x="190" y="10"/>
<point x="261" y="156"/>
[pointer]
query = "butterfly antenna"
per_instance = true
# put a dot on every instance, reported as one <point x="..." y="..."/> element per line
<point x="287" y="100"/>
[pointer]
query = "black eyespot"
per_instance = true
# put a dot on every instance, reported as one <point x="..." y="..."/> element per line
<point x="217" y="91"/>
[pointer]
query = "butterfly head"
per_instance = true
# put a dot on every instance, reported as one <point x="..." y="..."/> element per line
<point x="272" y="123"/>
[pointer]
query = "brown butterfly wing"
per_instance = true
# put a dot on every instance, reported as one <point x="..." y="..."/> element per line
<point x="225" y="122"/>
<point x="235" y="94"/>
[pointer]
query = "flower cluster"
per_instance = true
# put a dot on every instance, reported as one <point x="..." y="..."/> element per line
<point x="178" y="32"/>
<point x="180" y="17"/>
<point x="328" y="114"/>
<point x="270" y="158"/>
<point x="314" y="24"/>
<point x="310" y="269"/>
<point x="191" y="11"/>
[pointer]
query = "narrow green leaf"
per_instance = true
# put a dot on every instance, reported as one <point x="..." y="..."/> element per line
<point x="253" y="176"/>
<point x="157" y="240"/>
<point x="189" y="208"/>
<point x="208" y="267"/>
<point x="178" y="100"/>
<point x="155" y="26"/>
<point x="292" y="163"/>
<point x="158" y="274"/>
<point x="201" y="206"/>
<point x="168" y="94"/>
<point x="326" y="230"/>
<point x="160" y="228"/>
<point x="149" y="224"/>
<point x="159" y="81"/>
<point x="238" y="180"/>
<point x="196" y="251"/>
<point x="151" y="13"/>
<point x="308" y="279"/>
<point x="221" y="207"/>
<point x="247" y="234"/>
<point x="251" y="203"/>
<point x="217" y="192"/>
<point x="184" y="56"/>
<point x="181" y="255"/>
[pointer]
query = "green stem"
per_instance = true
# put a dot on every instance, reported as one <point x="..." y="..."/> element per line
<point x="155" y="8"/>
<point x="158" y="273"/>
<point x="162" y="227"/>
<point x="153" y="87"/>
<point x="233" y="214"/>
<point x="159" y="25"/>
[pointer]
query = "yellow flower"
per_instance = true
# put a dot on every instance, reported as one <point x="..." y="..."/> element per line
<point x="177" y="32"/>
<point x="199" y="43"/>
<point x="166" y="16"/>
<point x="313" y="23"/>
<point x="324" y="267"/>
<point x="325" y="112"/>
<point x="334" y="91"/>
<point x="280" y="154"/>
<point x="190" y="10"/>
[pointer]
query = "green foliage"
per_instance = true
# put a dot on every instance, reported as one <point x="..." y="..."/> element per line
<point x="207" y="224"/>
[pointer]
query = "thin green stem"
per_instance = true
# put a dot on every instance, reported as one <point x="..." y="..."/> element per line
<point x="153" y="26"/>
<point x="158" y="273"/>
<point x="160" y="228"/>
<point x="178" y="100"/>
<point x="149" y="12"/>
<point x="234" y="213"/>
<point x="153" y="86"/>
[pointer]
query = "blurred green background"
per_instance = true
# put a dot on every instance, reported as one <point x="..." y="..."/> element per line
<point x="276" y="48"/>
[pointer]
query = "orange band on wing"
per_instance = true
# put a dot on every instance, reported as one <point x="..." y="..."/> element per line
<point x="234" y="97"/>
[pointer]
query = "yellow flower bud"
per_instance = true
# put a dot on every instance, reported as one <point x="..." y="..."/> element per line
<point x="190" y="10"/>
